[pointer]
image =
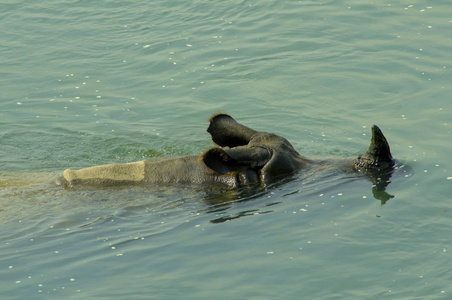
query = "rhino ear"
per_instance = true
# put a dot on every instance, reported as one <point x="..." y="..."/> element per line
<point x="225" y="131"/>
<point x="226" y="160"/>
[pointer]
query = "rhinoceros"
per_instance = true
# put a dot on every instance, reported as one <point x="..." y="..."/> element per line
<point x="240" y="156"/>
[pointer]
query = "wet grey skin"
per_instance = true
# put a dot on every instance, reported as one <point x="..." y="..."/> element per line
<point x="240" y="156"/>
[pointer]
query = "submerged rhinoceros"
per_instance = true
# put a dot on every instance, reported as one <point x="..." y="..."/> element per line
<point x="241" y="156"/>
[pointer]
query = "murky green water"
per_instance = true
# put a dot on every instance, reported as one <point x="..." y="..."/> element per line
<point x="93" y="82"/>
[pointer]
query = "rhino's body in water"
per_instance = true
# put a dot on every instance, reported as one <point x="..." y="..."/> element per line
<point x="241" y="156"/>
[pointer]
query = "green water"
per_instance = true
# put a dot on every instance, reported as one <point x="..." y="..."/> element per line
<point x="94" y="82"/>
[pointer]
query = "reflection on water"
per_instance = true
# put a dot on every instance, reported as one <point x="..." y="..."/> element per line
<point x="381" y="180"/>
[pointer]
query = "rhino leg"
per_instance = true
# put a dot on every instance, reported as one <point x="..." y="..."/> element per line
<point x="107" y="174"/>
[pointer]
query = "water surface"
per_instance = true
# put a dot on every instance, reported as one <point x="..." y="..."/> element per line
<point x="94" y="82"/>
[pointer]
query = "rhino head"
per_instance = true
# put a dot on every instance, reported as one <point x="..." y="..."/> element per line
<point x="253" y="156"/>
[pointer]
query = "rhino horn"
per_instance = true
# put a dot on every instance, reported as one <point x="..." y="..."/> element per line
<point x="378" y="156"/>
